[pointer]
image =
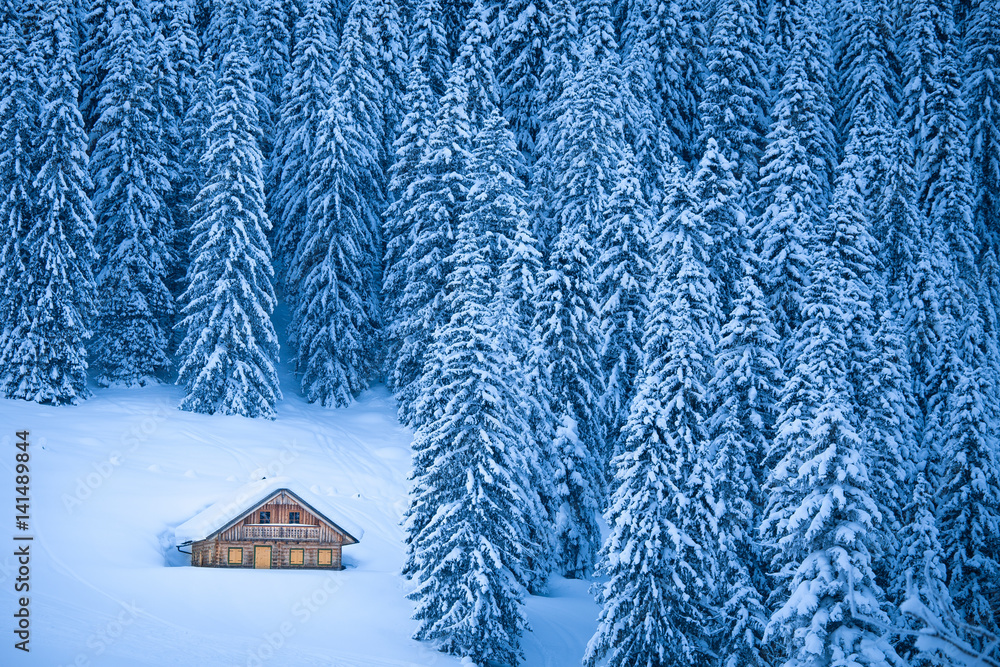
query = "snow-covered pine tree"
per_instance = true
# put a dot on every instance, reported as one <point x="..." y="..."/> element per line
<point x="921" y="566"/>
<point x="946" y="191"/>
<point x="197" y="120"/>
<point x="597" y="31"/>
<point x="230" y="347"/>
<point x="134" y="226"/>
<point x="476" y="67"/>
<point x="271" y="66"/>
<point x="725" y="209"/>
<point x="969" y="480"/>
<point x="622" y="273"/>
<point x="921" y="29"/>
<point x="497" y="201"/>
<point x="391" y="70"/>
<point x="428" y="45"/>
<point x="468" y="556"/>
<point x="521" y="40"/>
<point x="794" y="177"/>
<point x="18" y="131"/>
<point x="742" y="394"/>
<point x="660" y="565"/>
<point x="439" y="188"/>
<point x="454" y="15"/>
<point x="641" y="125"/>
<point x="734" y="101"/>
<point x="678" y="41"/>
<point x="182" y="39"/>
<point x="822" y="518"/>
<point x="519" y="289"/>
<point x="567" y="320"/>
<point x="560" y="63"/>
<point x="43" y="356"/>
<point x="307" y="95"/>
<point x="896" y="221"/>
<point x="165" y="83"/>
<point x="981" y="88"/>
<point x="100" y="17"/>
<point x="890" y="423"/>
<point x="588" y="132"/>
<point x="401" y="224"/>
<point x="182" y="48"/>
<point x="336" y="318"/>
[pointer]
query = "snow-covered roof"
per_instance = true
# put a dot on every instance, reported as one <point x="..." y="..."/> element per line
<point x="246" y="498"/>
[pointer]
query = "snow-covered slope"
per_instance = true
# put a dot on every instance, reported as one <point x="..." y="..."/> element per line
<point x="112" y="477"/>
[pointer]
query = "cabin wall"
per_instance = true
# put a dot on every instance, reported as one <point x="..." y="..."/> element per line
<point x="215" y="553"/>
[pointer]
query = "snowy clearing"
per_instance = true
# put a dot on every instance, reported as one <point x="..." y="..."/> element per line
<point x="112" y="477"/>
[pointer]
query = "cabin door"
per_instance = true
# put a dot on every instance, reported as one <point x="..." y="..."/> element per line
<point x="262" y="557"/>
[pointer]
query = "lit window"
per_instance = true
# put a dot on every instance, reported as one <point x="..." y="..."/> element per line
<point x="293" y="517"/>
<point x="265" y="517"/>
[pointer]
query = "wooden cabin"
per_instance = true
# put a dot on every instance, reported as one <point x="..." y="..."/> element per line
<point x="267" y="525"/>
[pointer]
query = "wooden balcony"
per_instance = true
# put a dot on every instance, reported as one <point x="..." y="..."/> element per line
<point x="280" y="531"/>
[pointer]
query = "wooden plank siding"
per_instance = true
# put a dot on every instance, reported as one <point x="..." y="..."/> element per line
<point x="310" y="535"/>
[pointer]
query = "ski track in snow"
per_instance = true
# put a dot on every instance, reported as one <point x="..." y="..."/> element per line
<point x="112" y="476"/>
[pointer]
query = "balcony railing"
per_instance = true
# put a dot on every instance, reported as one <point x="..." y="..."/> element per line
<point x="280" y="531"/>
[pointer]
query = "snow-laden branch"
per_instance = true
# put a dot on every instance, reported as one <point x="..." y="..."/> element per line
<point x="937" y="633"/>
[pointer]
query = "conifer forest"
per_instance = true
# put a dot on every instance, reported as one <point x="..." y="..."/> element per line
<point x="698" y="300"/>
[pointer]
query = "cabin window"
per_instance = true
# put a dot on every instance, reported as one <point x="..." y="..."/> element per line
<point x="265" y="517"/>
<point x="293" y="517"/>
<point x="296" y="556"/>
<point x="325" y="557"/>
<point x="235" y="555"/>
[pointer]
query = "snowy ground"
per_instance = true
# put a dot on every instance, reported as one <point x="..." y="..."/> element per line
<point x="112" y="476"/>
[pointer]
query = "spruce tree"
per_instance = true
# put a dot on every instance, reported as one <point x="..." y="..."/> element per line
<point x="657" y="557"/>
<point x="981" y="88"/>
<point x="43" y="357"/>
<point x="439" y="188"/>
<point x="560" y="64"/>
<point x="622" y="273"/>
<point x="134" y="225"/>
<point x="197" y="120"/>
<point x="921" y="568"/>
<point x="18" y="131"/>
<point x="922" y="28"/>
<point x="307" y="96"/>
<point x="794" y="178"/>
<point x="641" y="123"/>
<point x="428" y="45"/>
<point x="335" y="323"/>
<point x="230" y="347"/>
<point x="469" y="556"/>
<point x="271" y="66"/>
<point x="821" y="519"/>
<point x="401" y="224"/>
<point x="100" y="17"/>
<point x="571" y="373"/>
<point x="734" y="102"/>
<point x="969" y="478"/>
<point x="521" y="41"/>
<point x="391" y="70"/>
<point x="743" y="394"/>
<point x="946" y="191"/>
